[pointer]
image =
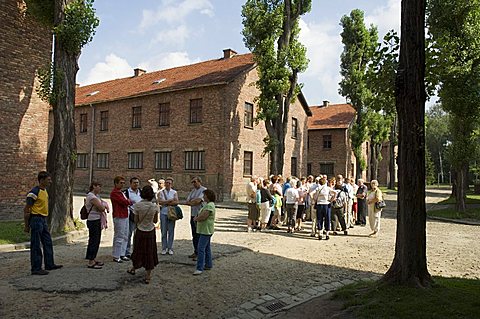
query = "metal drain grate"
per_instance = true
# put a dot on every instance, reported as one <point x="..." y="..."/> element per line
<point x="276" y="305"/>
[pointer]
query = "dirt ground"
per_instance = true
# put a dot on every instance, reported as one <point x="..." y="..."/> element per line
<point x="246" y="266"/>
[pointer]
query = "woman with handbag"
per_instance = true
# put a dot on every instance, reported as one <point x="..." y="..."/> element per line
<point x="375" y="206"/>
<point x="144" y="242"/>
<point x="97" y="209"/>
<point x="167" y="197"/>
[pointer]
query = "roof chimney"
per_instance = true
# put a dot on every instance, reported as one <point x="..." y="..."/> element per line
<point x="228" y="53"/>
<point x="138" y="72"/>
<point x="326" y="103"/>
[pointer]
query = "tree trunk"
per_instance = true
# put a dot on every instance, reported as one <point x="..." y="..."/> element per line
<point x="358" y="156"/>
<point x="391" y="165"/>
<point x="62" y="151"/>
<point x="460" y="190"/>
<point x="409" y="266"/>
<point x="373" y="161"/>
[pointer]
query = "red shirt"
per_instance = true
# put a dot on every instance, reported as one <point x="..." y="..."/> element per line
<point x="119" y="204"/>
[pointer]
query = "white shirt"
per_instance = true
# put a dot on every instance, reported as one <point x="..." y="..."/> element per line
<point x="323" y="195"/>
<point x="291" y="196"/>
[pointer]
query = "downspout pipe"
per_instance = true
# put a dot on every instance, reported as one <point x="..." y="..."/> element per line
<point x="92" y="139"/>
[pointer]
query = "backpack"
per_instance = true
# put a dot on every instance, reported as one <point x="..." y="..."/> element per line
<point x="84" y="212"/>
<point x="339" y="201"/>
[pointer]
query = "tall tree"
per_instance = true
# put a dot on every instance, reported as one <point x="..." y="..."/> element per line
<point x="271" y="33"/>
<point x="437" y="137"/>
<point x="454" y="26"/>
<point x="73" y="23"/>
<point x="409" y="265"/>
<point x="381" y="81"/>
<point x="359" y="47"/>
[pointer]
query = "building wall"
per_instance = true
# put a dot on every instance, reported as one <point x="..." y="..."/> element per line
<point x="221" y="135"/>
<point x="340" y="155"/>
<point x="25" y="46"/>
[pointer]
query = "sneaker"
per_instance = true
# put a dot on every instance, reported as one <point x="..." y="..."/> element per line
<point x="197" y="272"/>
<point x="40" y="272"/>
<point x="164" y="252"/>
<point x="54" y="267"/>
<point x="118" y="260"/>
<point x="125" y="258"/>
<point x="249" y="229"/>
<point x="170" y="252"/>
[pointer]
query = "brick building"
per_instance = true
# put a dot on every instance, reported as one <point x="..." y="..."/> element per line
<point x="329" y="147"/>
<point x="182" y="122"/>
<point x="25" y="46"/>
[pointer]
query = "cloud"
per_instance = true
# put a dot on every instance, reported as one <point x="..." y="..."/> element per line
<point x="167" y="60"/>
<point x="113" y="67"/>
<point x="324" y="46"/>
<point x="175" y="36"/>
<point x="173" y="13"/>
<point x="385" y="17"/>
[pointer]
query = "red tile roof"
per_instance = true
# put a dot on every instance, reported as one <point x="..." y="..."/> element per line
<point x="213" y="72"/>
<point x="331" y="117"/>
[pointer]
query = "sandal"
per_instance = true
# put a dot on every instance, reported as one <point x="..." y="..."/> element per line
<point x="99" y="263"/>
<point x="94" y="266"/>
<point x="131" y="271"/>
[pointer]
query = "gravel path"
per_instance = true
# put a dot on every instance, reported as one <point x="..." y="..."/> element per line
<point x="248" y="268"/>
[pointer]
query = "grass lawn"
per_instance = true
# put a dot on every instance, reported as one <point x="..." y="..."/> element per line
<point x="385" y="190"/>
<point x="11" y="232"/>
<point x="470" y="213"/>
<point x="448" y="298"/>
<point x="471" y="199"/>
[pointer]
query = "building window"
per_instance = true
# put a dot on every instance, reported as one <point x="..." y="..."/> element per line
<point x="194" y="160"/>
<point x="164" y="114"/>
<point x="327" y="169"/>
<point x="294" y="128"/>
<point x="196" y="111"/>
<point x="83" y="122"/>
<point x="293" y="165"/>
<point x="102" y="160"/>
<point x="309" y="168"/>
<point x="135" y="160"/>
<point x="327" y="141"/>
<point x="137" y="117"/>
<point x="82" y="160"/>
<point x="104" y="121"/>
<point x="247" y="163"/>
<point x="248" y="117"/>
<point x="163" y="160"/>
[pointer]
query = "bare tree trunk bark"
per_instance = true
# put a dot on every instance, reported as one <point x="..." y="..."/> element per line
<point x="409" y="266"/>
<point x="373" y="161"/>
<point x="391" y="166"/>
<point x="460" y="190"/>
<point x="61" y="155"/>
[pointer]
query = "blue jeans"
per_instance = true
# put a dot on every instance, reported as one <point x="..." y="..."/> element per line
<point x="131" y="230"/>
<point x="167" y="227"/>
<point x="323" y="217"/>
<point x="204" y="258"/>
<point x="39" y="234"/>
<point x="195" y="235"/>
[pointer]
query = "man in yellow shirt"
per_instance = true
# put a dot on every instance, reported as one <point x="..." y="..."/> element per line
<point x="35" y="215"/>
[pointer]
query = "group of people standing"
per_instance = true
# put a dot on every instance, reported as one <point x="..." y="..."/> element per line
<point x="333" y="205"/>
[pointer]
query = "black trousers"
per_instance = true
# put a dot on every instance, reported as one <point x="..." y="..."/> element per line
<point x="94" y="236"/>
<point x="337" y="216"/>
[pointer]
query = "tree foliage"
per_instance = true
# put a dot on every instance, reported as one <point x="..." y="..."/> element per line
<point x="454" y="28"/>
<point x="271" y="33"/>
<point x="437" y="137"/>
<point x="359" y="48"/>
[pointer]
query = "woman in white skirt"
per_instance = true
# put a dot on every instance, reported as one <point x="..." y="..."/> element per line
<point x="374" y="196"/>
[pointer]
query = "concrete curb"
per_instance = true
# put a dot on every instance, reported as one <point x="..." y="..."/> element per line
<point x="68" y="237"/>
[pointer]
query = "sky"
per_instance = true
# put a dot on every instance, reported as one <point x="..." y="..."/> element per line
<point x="160" y="34"/>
